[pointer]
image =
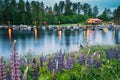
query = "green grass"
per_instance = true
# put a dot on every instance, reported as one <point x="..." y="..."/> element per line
<point x="98" y="48"/>
<point x="76" y="24"/>
<point x="109" y="69"/>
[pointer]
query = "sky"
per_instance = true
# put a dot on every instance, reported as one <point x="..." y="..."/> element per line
<point x="112" y="4"/>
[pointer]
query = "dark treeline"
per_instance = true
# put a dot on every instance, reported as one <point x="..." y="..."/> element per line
<point x="28" y="13"/>
<point x="116" y="15"/>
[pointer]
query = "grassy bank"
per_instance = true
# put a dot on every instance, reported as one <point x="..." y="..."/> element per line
<point x="76" y="24"/>
<point x="90" y="63"/>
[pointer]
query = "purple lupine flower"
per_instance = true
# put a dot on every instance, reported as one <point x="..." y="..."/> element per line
<point x="35" y="71"/>
<point x="42" y="60"/>
<point x="113" y="53"/>
<point x="72" y="59"/>
<point x="34" y="62"/>
<point x="117" y="55"/>
<point x="2" y="69"/>
<point x="68" y="63"/>
<point x="60" y="61"/>
<point x="89" y="61"/>
<point x="81" y="59"/>
<point x="52" y="64"/>
<point x="96" y="60"/>
<point x="110" y="54"/>
<point x="118" y="52"/>
<point x="15" y="64"/>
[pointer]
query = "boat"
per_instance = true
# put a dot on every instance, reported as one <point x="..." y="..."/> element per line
<point x="29" y="28"/>
<point x="15" y="27"/>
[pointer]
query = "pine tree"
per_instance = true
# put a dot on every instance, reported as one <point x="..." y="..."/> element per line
<point x="95" y="11"/>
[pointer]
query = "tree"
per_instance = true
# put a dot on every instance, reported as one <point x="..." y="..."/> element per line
<point x="109" y="13"/>
<point x="35" y="8"/>
<point x="68" y="10"/>
<point x="116" y="15"/>
<point x="56" y="9"/>
<point x="61" y="6"/>
<point x="90" y="14"/>
<point x="106" y="15"/>
<point x="79" y="6"/>
<point x="74" y="7"/>
<point x="13" y="11"/>
<point x="28" y="13"/>
<point x="21" y="10"/>
<point x="1" y="4"/>
<point x="6" y="11"/>
<point x="41" y="13"/>
<point x="95" y="11"/>
<point x="1" y="11"/>
<point x="86" y="8"/>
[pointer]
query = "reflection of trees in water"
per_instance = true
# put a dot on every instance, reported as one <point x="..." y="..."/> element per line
<point x="41" y="34"/>
<point x="67" y="38"/>
<point x="89" y="35"/>
<point x="117" y="40"/>
<point x="103" y="35"/>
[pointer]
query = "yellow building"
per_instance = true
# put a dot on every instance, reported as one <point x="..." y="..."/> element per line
<point x="93" y="21"/>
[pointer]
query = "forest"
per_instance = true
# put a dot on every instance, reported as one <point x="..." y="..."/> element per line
<point x="63" y="12"/>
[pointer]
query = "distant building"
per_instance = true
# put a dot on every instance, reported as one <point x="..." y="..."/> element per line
<point x="93" y="21"/>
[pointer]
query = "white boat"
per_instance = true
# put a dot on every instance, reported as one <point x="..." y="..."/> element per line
<point x="14" y="27"/>
<point x="43" y="28"/>
<point x="29" y="28"/>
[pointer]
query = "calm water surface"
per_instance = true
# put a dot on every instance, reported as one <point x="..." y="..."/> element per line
<point x="38" y="41"/>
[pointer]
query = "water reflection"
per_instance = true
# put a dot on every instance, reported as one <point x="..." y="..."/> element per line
<point x="50" y="41"/>
<point x="105" y="30"/>
<point x="35" y="33"/>
<point x="117" y="36"/>
<point x="60" y="34"/>
<point x="10" y="33"/>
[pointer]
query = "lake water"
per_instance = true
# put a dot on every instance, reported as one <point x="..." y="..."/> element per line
<point x="39" y="41"/>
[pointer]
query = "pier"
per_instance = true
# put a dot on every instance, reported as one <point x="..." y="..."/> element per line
<point x="59" y="28"/>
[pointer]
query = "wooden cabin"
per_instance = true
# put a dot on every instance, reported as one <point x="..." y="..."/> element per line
<point x="93" y="21"/>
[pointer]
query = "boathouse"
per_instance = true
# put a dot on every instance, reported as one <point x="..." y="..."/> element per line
<point x="93" y="21"/>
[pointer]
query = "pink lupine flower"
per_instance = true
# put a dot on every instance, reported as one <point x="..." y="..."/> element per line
<point x="2" y="69"/>
<point x="15" y="64"/>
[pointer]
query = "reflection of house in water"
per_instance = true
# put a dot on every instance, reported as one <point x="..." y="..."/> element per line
<point x="10" y="33"/>
<point x="35" y="33"/>
<point x="117" y="38"/>
<point x="88" y="34"/>
<point x="60" y="34"/>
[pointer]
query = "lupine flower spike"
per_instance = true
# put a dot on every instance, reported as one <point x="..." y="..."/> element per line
<point x="15" y="64"/>
<point x="2" y="69"/>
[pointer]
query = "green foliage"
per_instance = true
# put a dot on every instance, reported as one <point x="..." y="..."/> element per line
<point x="106" y="15"/>
<point x="21" y="12"/>
<point x="87" y="9"/>
<point x="68" y="10"/>
<point x="109" y="69"/>
<point x="95" y="11"/>
<point x="116" y="15"/>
